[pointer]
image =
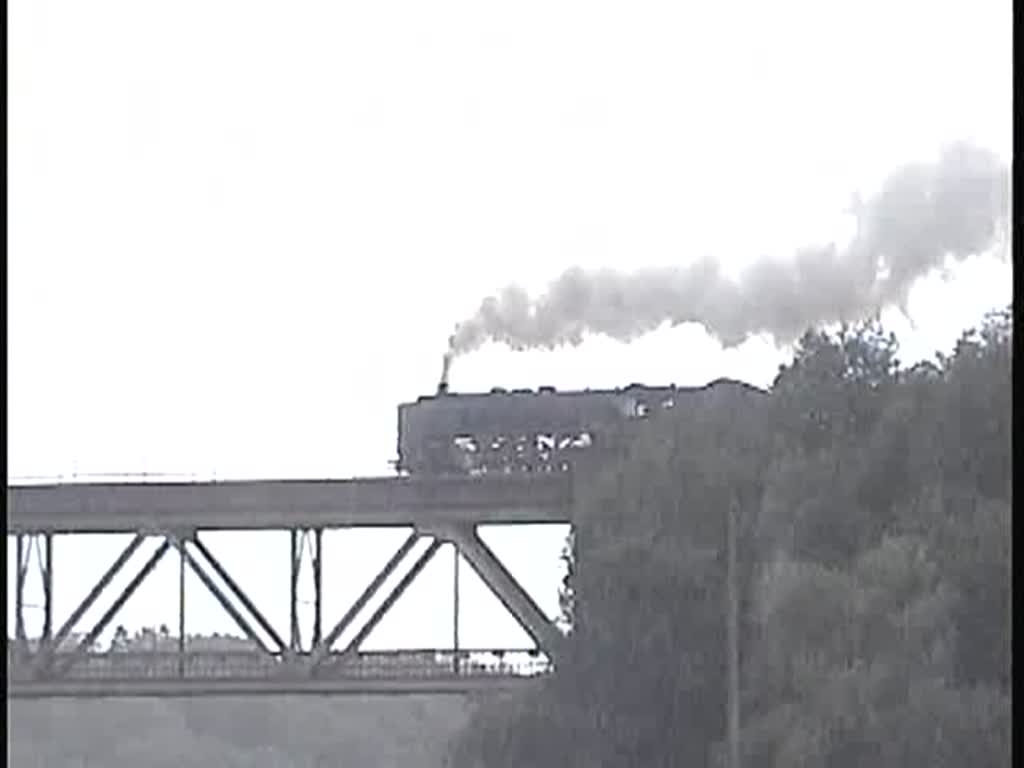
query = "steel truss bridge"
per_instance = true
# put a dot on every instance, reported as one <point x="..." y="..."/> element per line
<point x="64" y="663"/>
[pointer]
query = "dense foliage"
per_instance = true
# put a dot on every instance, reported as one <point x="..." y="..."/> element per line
<point x="873" y="534"/>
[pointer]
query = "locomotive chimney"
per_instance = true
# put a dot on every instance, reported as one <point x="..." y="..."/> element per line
<point x="442" y="385"/>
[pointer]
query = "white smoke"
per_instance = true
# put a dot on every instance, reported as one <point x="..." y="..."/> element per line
<point x="923" y="215"/>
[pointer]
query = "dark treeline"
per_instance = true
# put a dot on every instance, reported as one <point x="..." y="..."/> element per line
<point x="873" y="571"/>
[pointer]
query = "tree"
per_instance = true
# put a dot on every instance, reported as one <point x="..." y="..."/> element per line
<point x="874" y="542"/>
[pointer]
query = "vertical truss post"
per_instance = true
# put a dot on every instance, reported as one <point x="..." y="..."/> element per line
<point x="455" y="611"/>
<point x="46" y="561"/>
<point x="303" y="541"/>
<point x="181" y="611"/>
<point x="26" y="544"/>
<point x="20" y="635"/>
<point x="318" y="583"/>
<point x="295" y="641"/>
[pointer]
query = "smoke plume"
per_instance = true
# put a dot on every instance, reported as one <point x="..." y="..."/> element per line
<point x="922" y="215"/>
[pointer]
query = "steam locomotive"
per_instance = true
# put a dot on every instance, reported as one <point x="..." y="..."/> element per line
<point x="529" y="431"/>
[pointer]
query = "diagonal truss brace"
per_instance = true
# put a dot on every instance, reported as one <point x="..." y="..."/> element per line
<point x="225" y="603"/>
<point x="323" y="649"/>
<point x="464" y="537"/>
<point x="44" y="662"/>
<point x="45" y="657"/>
<point x="352" y="647"/>
<point x="481" y="558"/>
<point x="392" y="598"/>
<point x="90" y="639"/>
<point x="508" y="590"/>
<point x="237" y="591"/>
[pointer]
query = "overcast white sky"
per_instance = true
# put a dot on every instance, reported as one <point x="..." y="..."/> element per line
<point x="240" y="232"/>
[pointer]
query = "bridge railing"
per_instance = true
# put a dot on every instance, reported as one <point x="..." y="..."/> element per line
<point x="212" y="665"/>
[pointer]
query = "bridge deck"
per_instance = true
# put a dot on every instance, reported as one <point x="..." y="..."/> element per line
<point x="173" y="688"/>
<point x="120" y="674"/>
<point x="267" y="504"/>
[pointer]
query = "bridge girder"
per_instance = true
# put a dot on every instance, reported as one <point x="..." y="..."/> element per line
<point x="291" y="666"/>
